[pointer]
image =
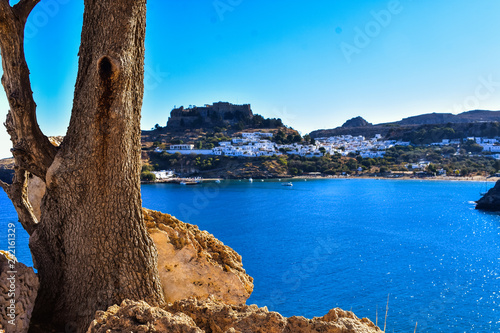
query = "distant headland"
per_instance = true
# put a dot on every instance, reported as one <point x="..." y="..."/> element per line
<point x="478" y="123"/>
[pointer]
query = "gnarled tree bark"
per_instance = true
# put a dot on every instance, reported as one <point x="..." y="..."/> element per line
<point x="90" y="247"/>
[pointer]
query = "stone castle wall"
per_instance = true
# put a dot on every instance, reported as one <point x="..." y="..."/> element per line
<point x="209" y="114"/>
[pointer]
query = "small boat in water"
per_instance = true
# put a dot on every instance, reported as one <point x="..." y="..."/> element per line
<point x="287" y="184"/>
<point x="217" y="181"/>
<point x="250" y="180"/>
<point x="195" y="181"/>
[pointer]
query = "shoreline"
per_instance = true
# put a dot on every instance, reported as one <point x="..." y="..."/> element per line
<point x="288" y="178"/>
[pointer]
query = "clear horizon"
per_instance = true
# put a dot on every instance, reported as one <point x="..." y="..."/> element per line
<point x="314" y="65"/>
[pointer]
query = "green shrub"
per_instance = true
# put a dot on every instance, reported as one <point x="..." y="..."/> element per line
<point x="148" y="176"/>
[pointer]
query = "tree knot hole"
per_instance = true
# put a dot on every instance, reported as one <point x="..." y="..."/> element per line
<point x="107" y="69"/>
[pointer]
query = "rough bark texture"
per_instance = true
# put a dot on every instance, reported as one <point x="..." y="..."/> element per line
<point x="90" y="246"/>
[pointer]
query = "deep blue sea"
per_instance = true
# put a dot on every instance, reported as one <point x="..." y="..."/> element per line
<point x="350" y="243"/>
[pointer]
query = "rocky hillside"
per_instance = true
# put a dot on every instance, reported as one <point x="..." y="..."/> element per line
<point x="220" y="166"/>
<point x="444" y="118"/>
<point x="449" y="126"/>
<point x="356" y="122"/>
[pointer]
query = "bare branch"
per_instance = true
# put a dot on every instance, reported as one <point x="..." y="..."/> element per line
<point x="18" y="194"/>
<point x="5" y="10"/>
<point x="32" y="150"/>
<point x="4" y="186"/>
<point x="24" y="7"/>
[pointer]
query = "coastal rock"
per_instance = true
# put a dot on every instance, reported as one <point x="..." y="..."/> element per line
<point x="193" y="263"/>
<point x="491" y="200"/>
<point x="140" y="317"/>
<point x="211" y="316"/>
<point x="26" y="288"/>
<point x="214" y="316"/>
<point x="6" y="170"/>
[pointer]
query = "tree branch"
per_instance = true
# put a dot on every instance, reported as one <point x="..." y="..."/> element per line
<point x="4" y="186"/>
<point x="18" y="194"/>
<point x="24" y="7"/>
<point x="32" y="150"/>
<point x="5" y="10"/>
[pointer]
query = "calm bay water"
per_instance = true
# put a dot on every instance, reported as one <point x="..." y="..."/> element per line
<point x="349" y="243"/>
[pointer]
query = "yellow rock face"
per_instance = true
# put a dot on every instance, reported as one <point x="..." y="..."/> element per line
<point x="193" y="263"/>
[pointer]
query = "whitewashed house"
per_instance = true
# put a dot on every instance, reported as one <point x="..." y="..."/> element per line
<point x="163" y="174"/>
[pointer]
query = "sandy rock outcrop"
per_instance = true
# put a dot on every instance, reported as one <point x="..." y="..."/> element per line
<point x="21" y="280"/>
<point x="193" y="263"/>
<point x="139" y="317"/>
<point x="491" y="200"/>
<point x="212" y="316"/>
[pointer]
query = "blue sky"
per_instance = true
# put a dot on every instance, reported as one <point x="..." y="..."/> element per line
<point x="314" y="64"/>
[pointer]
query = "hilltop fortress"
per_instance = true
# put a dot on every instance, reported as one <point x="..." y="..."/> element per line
<point x="218" y="114"/>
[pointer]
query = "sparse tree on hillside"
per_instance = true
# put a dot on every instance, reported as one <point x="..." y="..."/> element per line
<point x="89" y="244"/>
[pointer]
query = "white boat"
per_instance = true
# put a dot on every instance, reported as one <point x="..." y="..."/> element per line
<point x="250" y="180"/>
<point x="287" y="184"/>
<point x="217" y="181"/>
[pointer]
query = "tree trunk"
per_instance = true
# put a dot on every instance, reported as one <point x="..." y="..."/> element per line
<point x="91" y="247"/>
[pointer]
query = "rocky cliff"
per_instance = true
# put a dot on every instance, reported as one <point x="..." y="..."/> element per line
<point x="193" y="263"/>
<point x="211" y="316"/>
<point x="22" y="281"/>
<point x="491" y="200"/>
